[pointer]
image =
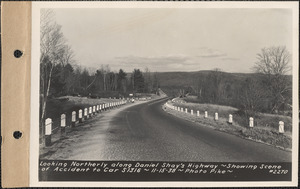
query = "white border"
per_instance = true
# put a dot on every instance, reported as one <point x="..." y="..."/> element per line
<point x="34" y="139"/>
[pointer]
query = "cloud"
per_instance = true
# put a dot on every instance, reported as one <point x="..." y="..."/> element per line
<point x="156" y="63"/>
<point x="153" y="60"/>
<point x="232" y="59"/>
<point x="205" y="52"/>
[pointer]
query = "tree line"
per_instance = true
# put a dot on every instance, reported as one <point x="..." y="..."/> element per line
<point x="268" y="89"/>
<point x="67" y="79"/>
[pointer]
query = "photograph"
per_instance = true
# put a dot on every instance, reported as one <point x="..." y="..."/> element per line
<point x="165" y="93"/>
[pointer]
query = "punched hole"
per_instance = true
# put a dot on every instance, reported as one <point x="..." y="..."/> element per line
<point x="17" y="134"/>
<point x="18" y="53"/>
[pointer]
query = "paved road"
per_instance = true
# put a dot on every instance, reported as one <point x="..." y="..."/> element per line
<point x="146" y="132"/>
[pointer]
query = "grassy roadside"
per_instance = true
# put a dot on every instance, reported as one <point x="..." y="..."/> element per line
<point x="265" y="127"/>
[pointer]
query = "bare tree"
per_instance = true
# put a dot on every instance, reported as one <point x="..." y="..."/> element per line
<point x="53" y="50"/>
<point x="148" y="80"/>
<point x="252" y="97"/>
<point x="212" y="86"/>
<point x="273" y="63"/>
<point x="105" y="69"/>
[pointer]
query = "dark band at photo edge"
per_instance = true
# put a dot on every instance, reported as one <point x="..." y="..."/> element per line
<point x="237" y="175"/>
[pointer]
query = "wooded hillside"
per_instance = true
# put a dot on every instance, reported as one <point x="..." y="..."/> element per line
<point x="249" y="92"/>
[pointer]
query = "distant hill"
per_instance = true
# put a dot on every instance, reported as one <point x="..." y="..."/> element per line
<point x="173" y="81"/>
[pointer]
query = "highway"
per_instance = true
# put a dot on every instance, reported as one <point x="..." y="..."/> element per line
<point x="144" y="132"/>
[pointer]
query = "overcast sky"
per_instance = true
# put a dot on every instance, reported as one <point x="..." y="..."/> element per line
<point x="174" y="39"/>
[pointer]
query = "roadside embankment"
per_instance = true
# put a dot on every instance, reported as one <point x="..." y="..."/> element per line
<point x="261" y="131"/>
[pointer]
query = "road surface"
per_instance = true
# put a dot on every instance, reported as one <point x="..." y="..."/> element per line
<point x="145" y="132"/>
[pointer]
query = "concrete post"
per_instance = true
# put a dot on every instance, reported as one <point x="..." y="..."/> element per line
<point x="63" y="123"/>
<point x="48" y="131"/>
<point x="85" y="113"/>
<point x="181" y="109"/>
<point x="192" y="112"/>
<point x="216" y="116"/>
<point x="94" y="110"/>
<point x="205" y="114"/>
<point x="281" y="127"/>
<point x="73" y="118"/>
<point x="80" y="116"/>
<point x="90" y="111"/>
<point x="230" y="119"/>
<point x="186" y="110"/>
<point x="251" y="122"/>
<point x="198" y="113"/>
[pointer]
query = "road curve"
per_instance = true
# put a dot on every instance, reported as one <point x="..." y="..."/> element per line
<point x="145" y="132"/>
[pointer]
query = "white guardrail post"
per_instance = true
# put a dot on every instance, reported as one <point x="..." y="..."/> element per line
<point x="85" y="113"/>
<point x="205" y="114"/>
<point x="216" y="116"/>
<point x="251" y="122"/>
<point x="230" y="119"/>
<point x="90" y="111"/>
<point x="48" y="131"/>
<point x="281" y="127"/>
<point x="63" y="124"/>
<point x="80" y="115"/>
<point x="73" y="118"/>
